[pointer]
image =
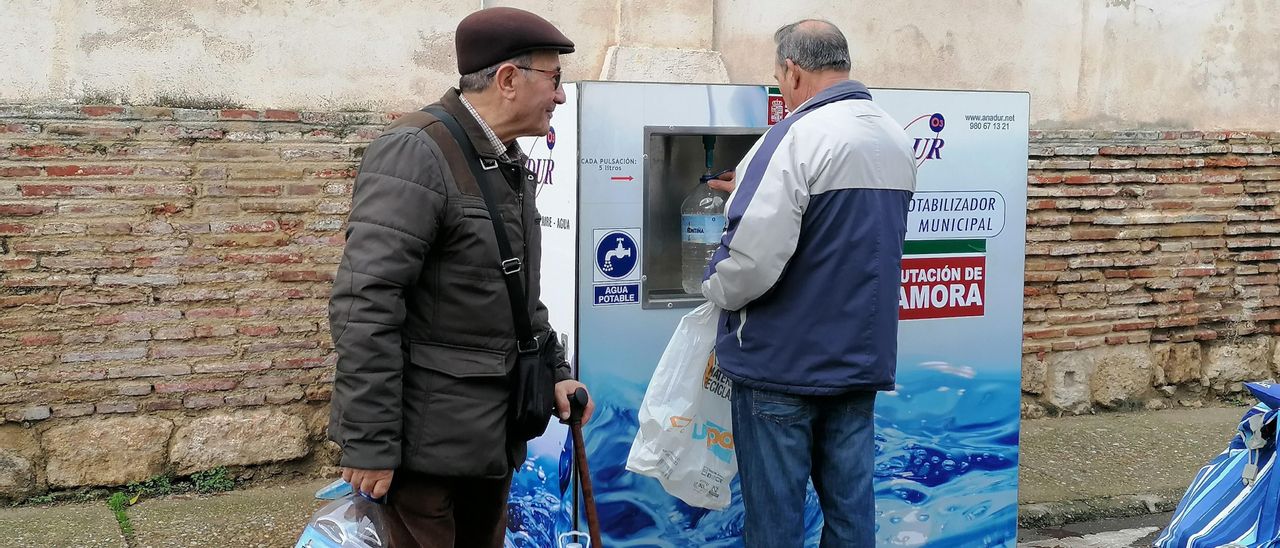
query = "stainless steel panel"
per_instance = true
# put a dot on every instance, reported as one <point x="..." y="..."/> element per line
<point x="674" y="160"/>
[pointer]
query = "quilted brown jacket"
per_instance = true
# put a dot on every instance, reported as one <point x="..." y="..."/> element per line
<point x="419" y="314"/>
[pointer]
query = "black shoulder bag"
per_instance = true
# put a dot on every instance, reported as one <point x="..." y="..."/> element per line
<point x="533" y="380"/>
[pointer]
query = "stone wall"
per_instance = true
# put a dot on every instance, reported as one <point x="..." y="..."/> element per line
<point x="1151" y="271"/>
<point x="164" y="275"/>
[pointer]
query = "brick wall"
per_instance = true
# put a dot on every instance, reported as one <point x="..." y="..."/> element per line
<point x="158" y="261"/>
<point x="1151" y="270"/>
<point x="164" y="273"/>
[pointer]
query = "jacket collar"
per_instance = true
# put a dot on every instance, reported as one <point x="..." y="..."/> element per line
<point x="848" y="89"/>
<point x="453" y="105"/>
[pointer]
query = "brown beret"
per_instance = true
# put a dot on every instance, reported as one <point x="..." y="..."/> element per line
<point x="490" y="36"/>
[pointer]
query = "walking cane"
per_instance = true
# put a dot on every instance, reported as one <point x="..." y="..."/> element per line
<point x="578" y="403"/>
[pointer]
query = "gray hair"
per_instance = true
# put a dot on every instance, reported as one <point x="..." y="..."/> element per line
<point x="480" y="80"/>
<point x="813" y="45"/>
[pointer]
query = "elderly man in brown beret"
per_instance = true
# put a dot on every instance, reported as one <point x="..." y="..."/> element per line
<point x="426" y="331"/>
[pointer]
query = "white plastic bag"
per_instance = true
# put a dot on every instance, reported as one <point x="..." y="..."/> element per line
<point x="686" y="438"/>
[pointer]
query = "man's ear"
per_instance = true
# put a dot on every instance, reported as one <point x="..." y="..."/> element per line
<point x="505" y="78"/>
<point x="792" y="73"/>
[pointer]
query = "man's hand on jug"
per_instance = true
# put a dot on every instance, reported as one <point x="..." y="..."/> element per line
<point x="723" y="182"/>
<point x="374" y="483"/>
<point x="563" y="390"/>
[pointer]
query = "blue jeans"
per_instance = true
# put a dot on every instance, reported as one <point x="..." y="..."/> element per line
<point x="783" y="439"/>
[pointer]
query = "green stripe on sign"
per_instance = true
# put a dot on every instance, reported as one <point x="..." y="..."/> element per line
<point x="939" y="247"/>
<point x="773" y="90"/>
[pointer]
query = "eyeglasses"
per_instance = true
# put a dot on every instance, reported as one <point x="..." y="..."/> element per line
<point x="555" y="74"/>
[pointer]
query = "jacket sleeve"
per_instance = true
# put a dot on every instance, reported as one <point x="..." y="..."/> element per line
<point x="762" y="222"/>
<point x="396" y="206"/>
<point x="542" y="327"/>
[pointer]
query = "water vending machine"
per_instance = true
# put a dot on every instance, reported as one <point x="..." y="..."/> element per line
<point x="617" y="173"/>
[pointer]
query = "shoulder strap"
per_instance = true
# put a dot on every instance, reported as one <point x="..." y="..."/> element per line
<point x="511" y="266"/>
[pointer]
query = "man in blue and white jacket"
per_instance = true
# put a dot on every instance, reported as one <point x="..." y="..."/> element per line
<point x="808" y="274"/>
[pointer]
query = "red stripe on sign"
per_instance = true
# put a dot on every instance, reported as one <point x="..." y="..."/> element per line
<point x="942" y="287"/>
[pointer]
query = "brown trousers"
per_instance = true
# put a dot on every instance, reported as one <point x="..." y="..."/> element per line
<point x="441" y="512"/>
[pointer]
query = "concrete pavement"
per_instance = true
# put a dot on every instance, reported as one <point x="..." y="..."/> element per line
<point x="263" y="516"/>
<point x="1118" y="464"/>
<point x="86" y="524"/>
<point x="1072" y="469"/>
<point x="1132" y="532"/>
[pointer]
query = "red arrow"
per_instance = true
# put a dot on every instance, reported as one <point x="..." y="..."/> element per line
<point x="627" y="178"/>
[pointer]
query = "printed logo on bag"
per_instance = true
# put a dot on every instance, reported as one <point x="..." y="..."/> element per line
<point x="709" y="486"/>
<point x="719" y="439"/>
<point x="714" y="381"/>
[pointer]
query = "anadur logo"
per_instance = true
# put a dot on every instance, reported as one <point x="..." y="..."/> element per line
<point x="926" y="132"/>
<point x="543" y="168"/>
